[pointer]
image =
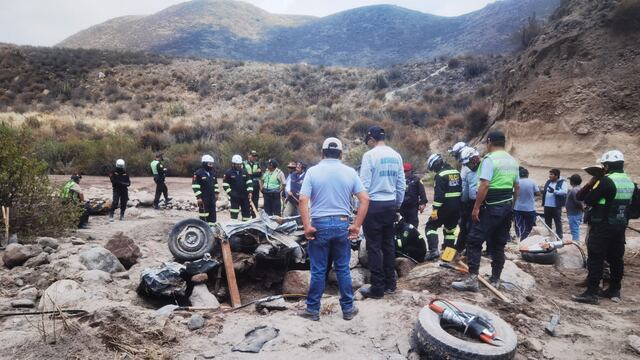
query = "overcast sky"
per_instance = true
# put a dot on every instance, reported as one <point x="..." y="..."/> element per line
<point x="47" y="22"/>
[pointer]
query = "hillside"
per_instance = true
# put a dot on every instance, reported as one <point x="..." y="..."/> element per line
<point x="575" y="92"/>
<point x="373" y="36"/>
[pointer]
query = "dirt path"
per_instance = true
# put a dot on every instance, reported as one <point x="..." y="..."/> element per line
<point x="120" y="322"/>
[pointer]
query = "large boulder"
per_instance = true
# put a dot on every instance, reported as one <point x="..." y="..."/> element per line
<point x="511" y="273"/>
<point x="202" y="298"/>
<point x="569" y="257"/>
<point x="96" y="276"/>
<point x="359" y="277"/>
<point x="63" y="294"/>
<point x="48" y="242"/>
<point x="40" y="259"/>
<point x="296" y="282"/>
<point x="99" y="258"/>
<point x="17" y="254"/>
<point x="125" y="249"/>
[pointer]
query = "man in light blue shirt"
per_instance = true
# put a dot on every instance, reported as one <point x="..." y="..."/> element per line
<point x="382" y="175"/>
<point x="329" y="186"/>
<point x="524" y="210"/>
<point x="470" y="160"/>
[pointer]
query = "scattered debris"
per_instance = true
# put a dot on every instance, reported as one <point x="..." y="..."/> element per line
<point x="125" y="249"/>
<point x="272" y="304"/>
<point x="164" y="282"/>
<point x="23" y="303"/>
<point x="553" y="323"/>
<point x="255" y="339"/>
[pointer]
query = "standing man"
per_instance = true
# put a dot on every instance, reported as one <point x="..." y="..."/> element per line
<point x="415" y="198"/>
<point x="72" y="193"/>
<point x="271" y="185"/>
<point x="120" y="183"/>
<point x="205" y="187"/>
<point x="254" y="171"/>
<point x="470" y="159"/>
<point x="446" y="207"/>
<point x="609" y="197"/>
<point x="524" y="210"/>
<point x="492" y="212"/>
<point x="159" y="176"/>
<point x="575" y="208"/>
<point x="329" y="186"/>
<point x="239" y="187"/>
<point x="383" y="176"/>
<point x="554" y="199"/>
<point x="293" y="190"/>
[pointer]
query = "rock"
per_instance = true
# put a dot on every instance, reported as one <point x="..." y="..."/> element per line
<point x="569" y="257"/>
<point x="145" y="199"/>
<point x="533" y="344"/>
<point x="23" y="303"/>
<point x="582" y="130"/>
<point x="166" y="310"/>
<point x="30" y="293"/>
<point x="511" y="273"/>
<point x="404" y="266"/>
<point x="278" y="304"/>
<point x="200" y="278"/>
<point x="120" y="275"/>
<point x="48" y="242"/>
<point x="195" y="322"/>
<point x="208" y="355"/>
<point x="296" y="282"/>
<point x="17" y="254"/>
<point x="362" y="254"/>
<point x="354" y="260"/>
<point x="41" y="259"/>
<point x="359" y="277"/>
<point x="202" y="298"/>
<point x="49" y="250"/>
<point x="62" y="293"/>
<point x="125" y="249"/>
<point x="99" y="258"/>
<point x="77" y="241"/>
<point x="96" y="276"/>
<point x="395" y="357"/>
<point x="634" y="343"/>
<point x="422" y="273"/>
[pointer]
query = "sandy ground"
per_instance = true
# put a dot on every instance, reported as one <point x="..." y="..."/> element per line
<point x="123" y="326"/>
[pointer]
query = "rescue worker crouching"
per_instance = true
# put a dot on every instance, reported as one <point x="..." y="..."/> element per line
<point x="72" y="194"/>
<point x="239" y="186"/>
<point x="409" y="242"/>
<point x="205" y="187"/>
<point x="610" y="198"/>
<point x="446" y="206"/>
<point x="120" y="183"/>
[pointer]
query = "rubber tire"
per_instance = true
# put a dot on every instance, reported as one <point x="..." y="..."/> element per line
<point x="206" y="247"/>
<point x="433" y="342"/>
<point x="548" y="258"/>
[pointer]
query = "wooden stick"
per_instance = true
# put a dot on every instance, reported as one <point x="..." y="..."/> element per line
<point x="253" y="207"/>
<point x="488" y="285"/>
<point x="231" y="273"/>
<point x="5" y="218"/>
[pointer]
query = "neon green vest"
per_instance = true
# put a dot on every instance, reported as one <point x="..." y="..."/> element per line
<point x="251" y="169"/>
<point x="617" y="214"/>
<point x="505" y="174"/>
<point x="66" y="192"/>
<point x="154" y="167"/>
<point x="270" y="180"/>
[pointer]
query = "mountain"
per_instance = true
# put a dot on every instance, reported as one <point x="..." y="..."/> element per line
<point x="575" y="92"/>
<point x="371" y="36"/>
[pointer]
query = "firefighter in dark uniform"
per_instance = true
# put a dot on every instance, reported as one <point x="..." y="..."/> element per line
<point x="239" y="186"/>
<point x="446" y="205"/>
<point x="409" y="241"/>
<point x="252" y="167"/>
<point x="120" y="183"/>
<point x="609" y="197"/>
<point x="492" y="212"/>
<point x="205" y="187"/>
<point x="415" y="198"/>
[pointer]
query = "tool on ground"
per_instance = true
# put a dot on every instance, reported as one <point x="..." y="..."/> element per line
<point x="448" y="254"/>
<point x="487" y="284"/>
<point x="52" y="312"/>
<point x="472" y="325"/>
<point x="5" y="217"/>
<point x="227" y="258"/>
<point x="553" y="323"/>
<point x="559" y="243"/>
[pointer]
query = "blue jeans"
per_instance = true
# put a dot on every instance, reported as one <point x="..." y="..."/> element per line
<point x="574" y="226"/>
<point x="332" y="240"/>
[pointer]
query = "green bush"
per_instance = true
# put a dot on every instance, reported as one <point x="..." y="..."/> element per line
<point x="267" y="146"/>
<point x="35" y="206"/>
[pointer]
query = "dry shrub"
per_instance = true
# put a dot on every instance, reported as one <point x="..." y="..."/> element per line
<point x="359" y="128"/>
<point x="156" y="126"/>
<point x="331" y="129"/>
<point x="455" y="122"/>
<point x="453" y="63"/>
<point x="626" y="16"/>
<point x="153" y="140"/>
<point x="474" y="68"/>
<point x="476" y="119"/>
<point x="409" y="114"/>
<point x="284" y="128"/>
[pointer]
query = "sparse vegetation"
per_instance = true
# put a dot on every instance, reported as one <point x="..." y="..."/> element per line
<point x="626" y="16"/>
<point x="527" y="32"/>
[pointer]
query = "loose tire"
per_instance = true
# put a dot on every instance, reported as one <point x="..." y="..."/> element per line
<point x="433" y="342"/>
<point x="191" y="239"/>
<point x="548" y="258"/>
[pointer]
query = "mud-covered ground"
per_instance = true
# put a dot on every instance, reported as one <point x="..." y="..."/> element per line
<point x="121" y="325"/>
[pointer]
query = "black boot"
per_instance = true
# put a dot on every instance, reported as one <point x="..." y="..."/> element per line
<point x="586" y="297"/>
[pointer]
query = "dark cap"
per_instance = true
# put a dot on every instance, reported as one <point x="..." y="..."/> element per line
<point x="375" y="132"/>
<point x="495" y="135"/>
<point x="273" y="162"/>
<point x="76" y="177"/>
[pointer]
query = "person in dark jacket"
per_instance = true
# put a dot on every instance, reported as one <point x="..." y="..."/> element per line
<point x="159" y="172"/>
<point x="554" y="198"/>
<point x="415" y="198"/>
<point x="446" y="205"/>
<point x="409" y="242"/>
<point x="609" y="197"/>
<point x="239" y="186"/>
<point x="205" y="188"/>
<point x="120" y="184"/>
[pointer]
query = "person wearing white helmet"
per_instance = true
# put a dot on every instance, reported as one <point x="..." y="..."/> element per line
<point x="456" y="149"/>
<point x="238" y="185"/>
<point x="470" y="160"/>
<point x="205" y="187"/>
<point x="610" y="197"/>
<point x="445" y="211"/>
<point x="120" y="183"/>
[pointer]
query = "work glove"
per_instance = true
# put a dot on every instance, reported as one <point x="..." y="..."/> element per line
<point x="434" y="214"/>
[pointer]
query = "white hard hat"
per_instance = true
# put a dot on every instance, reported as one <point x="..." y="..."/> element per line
<point x="467" y="153"/>
<point x="236" y="159"/>
<point x="207" y="159"/>
<point x="120" y="163"/>
<point x="612" y="156"/>
<point x="457" y="148"/>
